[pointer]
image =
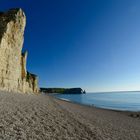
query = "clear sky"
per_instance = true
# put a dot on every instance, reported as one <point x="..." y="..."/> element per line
<point x="93" y="44"/>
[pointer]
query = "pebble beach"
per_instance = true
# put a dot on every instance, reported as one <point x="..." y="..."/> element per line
<point x="42" y="117"/>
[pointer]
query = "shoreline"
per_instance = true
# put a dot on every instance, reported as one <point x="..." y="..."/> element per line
<point x="113" y="123"/>
<point x="93" y="106"/>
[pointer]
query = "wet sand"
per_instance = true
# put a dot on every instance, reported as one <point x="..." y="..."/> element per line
<point x="41" y="117"/>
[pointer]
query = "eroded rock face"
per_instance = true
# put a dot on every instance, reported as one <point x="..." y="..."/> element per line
<point x="13" y="74"/>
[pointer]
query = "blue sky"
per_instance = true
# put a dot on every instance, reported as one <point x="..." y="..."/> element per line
<point x="93" y="44"/>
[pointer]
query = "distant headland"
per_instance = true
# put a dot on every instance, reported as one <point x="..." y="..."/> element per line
<point x="63" y="90"/>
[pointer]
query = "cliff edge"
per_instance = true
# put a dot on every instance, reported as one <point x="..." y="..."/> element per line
<point x="13" y="73"/>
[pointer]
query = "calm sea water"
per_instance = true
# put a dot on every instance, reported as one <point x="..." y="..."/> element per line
<point x="112" y="100"/>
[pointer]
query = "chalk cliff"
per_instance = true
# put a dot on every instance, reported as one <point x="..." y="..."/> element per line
<point x="13" y="73"/>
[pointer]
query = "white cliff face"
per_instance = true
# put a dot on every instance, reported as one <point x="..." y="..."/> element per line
<point x="12" y="62"/>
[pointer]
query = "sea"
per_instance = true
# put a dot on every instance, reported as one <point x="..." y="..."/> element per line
<point x="123" y="101"/>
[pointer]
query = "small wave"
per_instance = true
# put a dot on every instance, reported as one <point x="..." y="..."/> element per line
<point x="64" y="99"/>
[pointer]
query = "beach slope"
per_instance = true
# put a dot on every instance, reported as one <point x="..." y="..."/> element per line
<point x="41" y="117"/>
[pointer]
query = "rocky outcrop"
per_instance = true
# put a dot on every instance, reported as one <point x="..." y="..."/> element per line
<point x="13" y="73"/>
